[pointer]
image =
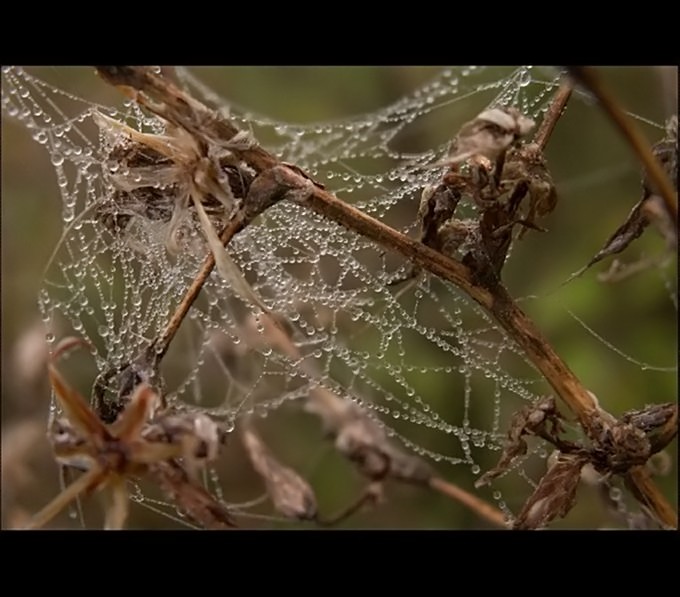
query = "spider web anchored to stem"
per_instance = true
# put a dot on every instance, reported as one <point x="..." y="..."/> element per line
<point x="420" y="357"/>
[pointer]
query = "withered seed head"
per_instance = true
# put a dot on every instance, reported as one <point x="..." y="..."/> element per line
<point x="490" y="134"/>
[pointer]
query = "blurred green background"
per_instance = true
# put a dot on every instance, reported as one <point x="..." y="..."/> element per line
<point x="598" y="182"/>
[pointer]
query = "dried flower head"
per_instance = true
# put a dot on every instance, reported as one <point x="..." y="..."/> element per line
<point x="142" y="440"/>
<point x="489" y="135"/>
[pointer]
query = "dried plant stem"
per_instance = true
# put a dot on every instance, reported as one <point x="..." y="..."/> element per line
<point x="495" y="300"/>
<point x="165" y="338"/>
<point x="591" y="80"/>
<point x="480" y="507"/>
<point x="369" y="496"/>
<point x="174" y="105"/>
<point x="642" y="486"/>
<point x="555" y="111"/>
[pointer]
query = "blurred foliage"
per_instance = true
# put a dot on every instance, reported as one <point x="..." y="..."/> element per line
<point x="598" y="182"/>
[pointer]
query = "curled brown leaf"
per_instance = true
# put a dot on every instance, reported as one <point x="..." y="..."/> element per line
<point x="531" y="420"/>
<point x="555" y="494"/>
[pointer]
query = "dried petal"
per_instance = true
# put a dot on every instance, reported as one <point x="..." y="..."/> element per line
<point x="140" y="409"/>
<point x="76" y="408"/>
<point x="229" y="271"/>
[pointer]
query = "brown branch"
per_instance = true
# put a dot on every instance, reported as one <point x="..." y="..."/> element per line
<point x="370" y="495"/>
<point x="478" y="506"/>
<point x="163" y="341"/>
<point x="642" y="486"/>
<point x="174" y="105"/>
<point x="555" y="111"/>
<point x="591" y="81"/>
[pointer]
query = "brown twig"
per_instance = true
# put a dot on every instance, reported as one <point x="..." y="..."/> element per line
<point x="591" y="80"/>
<point x="555" y="111"/>
<point x="480" y="507"/>
<point x="165" y="338"/>
<point x="174" y="105"/>
<point x="370" y="495"/>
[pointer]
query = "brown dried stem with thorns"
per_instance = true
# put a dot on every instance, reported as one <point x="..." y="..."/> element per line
<point x="176" y="106"/>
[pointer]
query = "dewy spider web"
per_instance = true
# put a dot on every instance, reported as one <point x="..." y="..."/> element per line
<point x="403" y="352"/>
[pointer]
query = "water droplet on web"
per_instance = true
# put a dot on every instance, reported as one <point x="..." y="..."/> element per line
<point x="49" y="337"/>
<point x="475" y="469"/>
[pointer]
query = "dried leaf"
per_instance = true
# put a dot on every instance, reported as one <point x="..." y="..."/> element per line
<point x="291" y="495"/>
<point x="632" y="228"/>
<point x="555" y="494"/>
<point x="655" y="211"/>
<point x="650" y="208"/>
<point x="531" y="420"/>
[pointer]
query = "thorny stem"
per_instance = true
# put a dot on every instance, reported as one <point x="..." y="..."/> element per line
<point x="164" y="99"/>
<point x="591" y="80"/>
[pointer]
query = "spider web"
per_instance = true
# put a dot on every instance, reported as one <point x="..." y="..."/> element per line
<point x="421" y="358"/>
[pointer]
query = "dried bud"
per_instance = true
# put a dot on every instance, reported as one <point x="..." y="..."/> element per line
<point x="291" y="495"/>
<point x="659" y="422"/>
<point x="196" y="435"/>
<point x="490" y="134"/>
<point x="364" y="442"/>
